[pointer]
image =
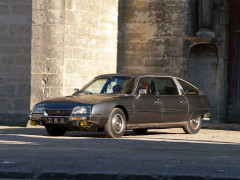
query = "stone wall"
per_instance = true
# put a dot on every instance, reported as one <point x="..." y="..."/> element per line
<point x="48" y="28"/>
<point x="15" y="60"/>
<point x="152" y="36"/>
<point x="206" y="57"/>
<point x="72" y="41"/>
<point x="91" y="31"/>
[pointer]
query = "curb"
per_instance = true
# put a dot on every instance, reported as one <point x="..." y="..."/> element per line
<point x="221" y="126"/>
<point x="86" y="176"/>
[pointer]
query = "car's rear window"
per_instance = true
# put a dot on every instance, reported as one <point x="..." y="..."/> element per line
<point x="187" y="88"/>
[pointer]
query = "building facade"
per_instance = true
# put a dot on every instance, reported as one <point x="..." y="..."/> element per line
<point x="50" y="47"/>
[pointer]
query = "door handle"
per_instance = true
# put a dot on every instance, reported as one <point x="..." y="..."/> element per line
<point x="183" y="102"/>
<point x="158" y="101"/>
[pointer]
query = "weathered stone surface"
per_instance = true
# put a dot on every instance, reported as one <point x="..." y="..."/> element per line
<point x="15" y="60"/>
<point x="53" y="46"/>
<point x="152" y="35"/>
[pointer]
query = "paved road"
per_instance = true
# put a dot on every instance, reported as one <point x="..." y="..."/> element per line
<point x="214" y="153"/>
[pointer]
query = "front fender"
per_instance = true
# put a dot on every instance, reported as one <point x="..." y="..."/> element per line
<point x="104" y="109"/>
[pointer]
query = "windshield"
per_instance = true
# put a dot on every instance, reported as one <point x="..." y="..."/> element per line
<point x="110" y="85"/>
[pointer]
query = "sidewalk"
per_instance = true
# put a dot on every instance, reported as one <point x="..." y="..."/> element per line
<point x="20" y="147"/>
<point x="221" y="126"/>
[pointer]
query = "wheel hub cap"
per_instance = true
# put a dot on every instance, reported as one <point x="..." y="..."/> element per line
<point x="117" y="123"/>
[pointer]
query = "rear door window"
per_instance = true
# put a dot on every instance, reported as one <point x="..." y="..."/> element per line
<point x="166" y="86"/>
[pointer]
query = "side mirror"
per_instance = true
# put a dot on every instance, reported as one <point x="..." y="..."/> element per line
<point x="76" y="90"/>
<point x="142" y="91"/>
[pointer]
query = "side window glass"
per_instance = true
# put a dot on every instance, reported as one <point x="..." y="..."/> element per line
<point x="187" y="88"/>
<point x="166" y="86"/>
<point x="148" y="84"/>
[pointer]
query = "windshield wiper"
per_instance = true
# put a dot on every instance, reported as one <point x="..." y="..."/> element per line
<point x="87" y="92"/>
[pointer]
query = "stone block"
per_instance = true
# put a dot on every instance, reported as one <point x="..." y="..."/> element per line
<point x="11" y="40"/>
<point x="9" y="90"/>
<point x="7" y="60"/>
<point x="90" y="19"/>
<point x="68" y="52"/>
<point x="93" y="5"/>
<point x="23" y="90"/>
<point x="38" y="67"/>
<point x="38" y="4"/>
<point x="69" y="4"/>
<point x="39" y="16"/>
<point x="22" y="71"/>
<point x="4" y="10"/>
<point x="57" y="5"/>
<point x="170" y="30"/>
<point x="19" y="105"/>
<point x="13" y="19"/>
<point x="20" y="30"/>
<point x="54" y="66"/>
<point x="54" y="52"/>
<point x="38" y="52"/>
<point x="21" y="1"/>
<point x="7" y="70"/>
<point x="82" y="5"/>
<point x="55" y="17"/>
<point x="55" y="29"/>
<point x="4" y="30"/>
<point x="174" y="47"/>
<point x="3" y="102"/>
<point x="36" y="94"/>
<point x="54" y="40"/>
<point x="131" y="60"/>
<point x="2" y="81"/>
<point x="156" y="62"/>
<point x="21" y="9"/>
<point x="10" y="49"/>
<point x="52" y="93"/>
<point x="18" y="79"/>
<point x="23" y="60"/>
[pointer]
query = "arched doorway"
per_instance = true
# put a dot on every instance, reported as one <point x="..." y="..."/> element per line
<point x="233" y="100"/>
<point x="202" y="69"/>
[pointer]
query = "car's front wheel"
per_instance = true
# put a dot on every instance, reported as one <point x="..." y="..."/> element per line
<point x="193" y="126"/>
<point x="116" y="124"/>
<point x="55" y="130"/>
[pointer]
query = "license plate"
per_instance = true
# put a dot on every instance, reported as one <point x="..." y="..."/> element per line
<point x="56" y="120"/>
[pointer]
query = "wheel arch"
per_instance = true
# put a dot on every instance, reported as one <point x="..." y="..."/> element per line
<point x="124" y="111"/>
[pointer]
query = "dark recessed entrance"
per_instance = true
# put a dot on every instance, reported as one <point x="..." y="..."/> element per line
<point x="233" y="109"/>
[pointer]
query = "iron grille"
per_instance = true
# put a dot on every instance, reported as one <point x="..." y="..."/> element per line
<point x="58" y="112"/>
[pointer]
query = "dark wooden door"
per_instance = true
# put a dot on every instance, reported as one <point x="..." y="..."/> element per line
<point x="233" y="109"/>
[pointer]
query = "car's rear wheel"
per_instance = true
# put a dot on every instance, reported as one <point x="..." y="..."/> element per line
<point x="54" y="130"/>
<point x="116" y="124"/>
<point x="140" y="131"/>
<point x="193" y="126"/>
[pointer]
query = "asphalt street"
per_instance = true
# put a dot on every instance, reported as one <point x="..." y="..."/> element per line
<point x="166" y="152"/>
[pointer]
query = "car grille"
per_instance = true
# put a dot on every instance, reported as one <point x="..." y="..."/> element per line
<point x="58" y="112"/>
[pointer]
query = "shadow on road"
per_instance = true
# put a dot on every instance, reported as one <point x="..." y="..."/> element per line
<point x="161" y="151"/>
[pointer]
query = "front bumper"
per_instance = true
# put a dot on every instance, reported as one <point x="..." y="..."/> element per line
<point x="79" y="122"/>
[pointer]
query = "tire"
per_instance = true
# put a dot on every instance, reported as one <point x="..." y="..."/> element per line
<point x="140" y="131"/>
<point x="55" y="130"/>
<point x="193" y="126"/>
<point x="116" y="124"/>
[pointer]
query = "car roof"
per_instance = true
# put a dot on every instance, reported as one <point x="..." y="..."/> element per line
<point x="133" y="75"/>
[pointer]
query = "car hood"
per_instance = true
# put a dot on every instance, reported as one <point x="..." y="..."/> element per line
<point x="69" y="102"/>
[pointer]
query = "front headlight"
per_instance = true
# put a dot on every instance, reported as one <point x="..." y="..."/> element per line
<point x="38" y="109"/>
<point x="82" y="110"/>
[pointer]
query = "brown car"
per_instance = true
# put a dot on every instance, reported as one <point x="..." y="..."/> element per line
<point x="115" y="102"/>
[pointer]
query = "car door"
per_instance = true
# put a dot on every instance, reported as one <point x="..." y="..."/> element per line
<point x="174" y="106"/>
<point x="146" y="107"/>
